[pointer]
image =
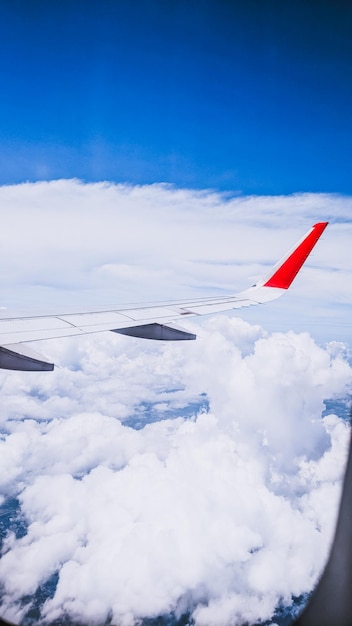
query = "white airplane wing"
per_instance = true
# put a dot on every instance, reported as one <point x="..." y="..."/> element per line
<point x="151" y="321"/>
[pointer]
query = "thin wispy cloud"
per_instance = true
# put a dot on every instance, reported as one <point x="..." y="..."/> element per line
<point x="68" y="243"/>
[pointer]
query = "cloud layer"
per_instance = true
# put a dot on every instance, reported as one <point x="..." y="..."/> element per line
<point x="226" y="514"/>
<point x="195" y="478"/>
<point x="65" y="243"/>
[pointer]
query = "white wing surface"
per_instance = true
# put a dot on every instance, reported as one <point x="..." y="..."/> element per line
<point x="151" y="321"/>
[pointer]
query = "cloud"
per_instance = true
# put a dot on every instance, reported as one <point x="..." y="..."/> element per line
<point x="225" y="514"/>
<point x="190" y="478"/>
<point x="67" y="244"/>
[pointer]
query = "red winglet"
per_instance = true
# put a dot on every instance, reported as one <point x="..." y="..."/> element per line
<point x="290" y="266"/>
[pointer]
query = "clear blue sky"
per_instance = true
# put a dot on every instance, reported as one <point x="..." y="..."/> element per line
<point x="254" y="96"/>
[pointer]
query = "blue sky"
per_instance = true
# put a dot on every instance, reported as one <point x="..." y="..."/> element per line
<point x="248" y="96"/>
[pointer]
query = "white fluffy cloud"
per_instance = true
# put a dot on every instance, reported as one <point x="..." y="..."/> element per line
<point x="225" y="514"/>
<point x="223" y="504"/>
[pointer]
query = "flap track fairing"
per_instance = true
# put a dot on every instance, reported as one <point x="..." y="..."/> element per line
<point x="23" y="359"/>
<point x="163" y="332"/>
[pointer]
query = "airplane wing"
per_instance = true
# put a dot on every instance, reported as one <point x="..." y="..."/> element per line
<point x="151" y="321"/>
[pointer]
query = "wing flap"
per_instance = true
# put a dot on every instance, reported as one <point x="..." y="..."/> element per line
<point x="83" y="320"/>
<point x="29" y="329"/>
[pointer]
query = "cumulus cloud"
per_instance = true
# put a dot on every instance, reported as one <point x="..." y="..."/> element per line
<point x="225" y="513"/>
<point x="194" y="478"/>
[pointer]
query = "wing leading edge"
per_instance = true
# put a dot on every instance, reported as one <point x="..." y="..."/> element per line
<point x="152" y="321"/>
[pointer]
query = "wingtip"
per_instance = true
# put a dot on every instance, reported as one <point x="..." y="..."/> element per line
<point x="287" y="269"/>
<point x="321" y="225"/>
